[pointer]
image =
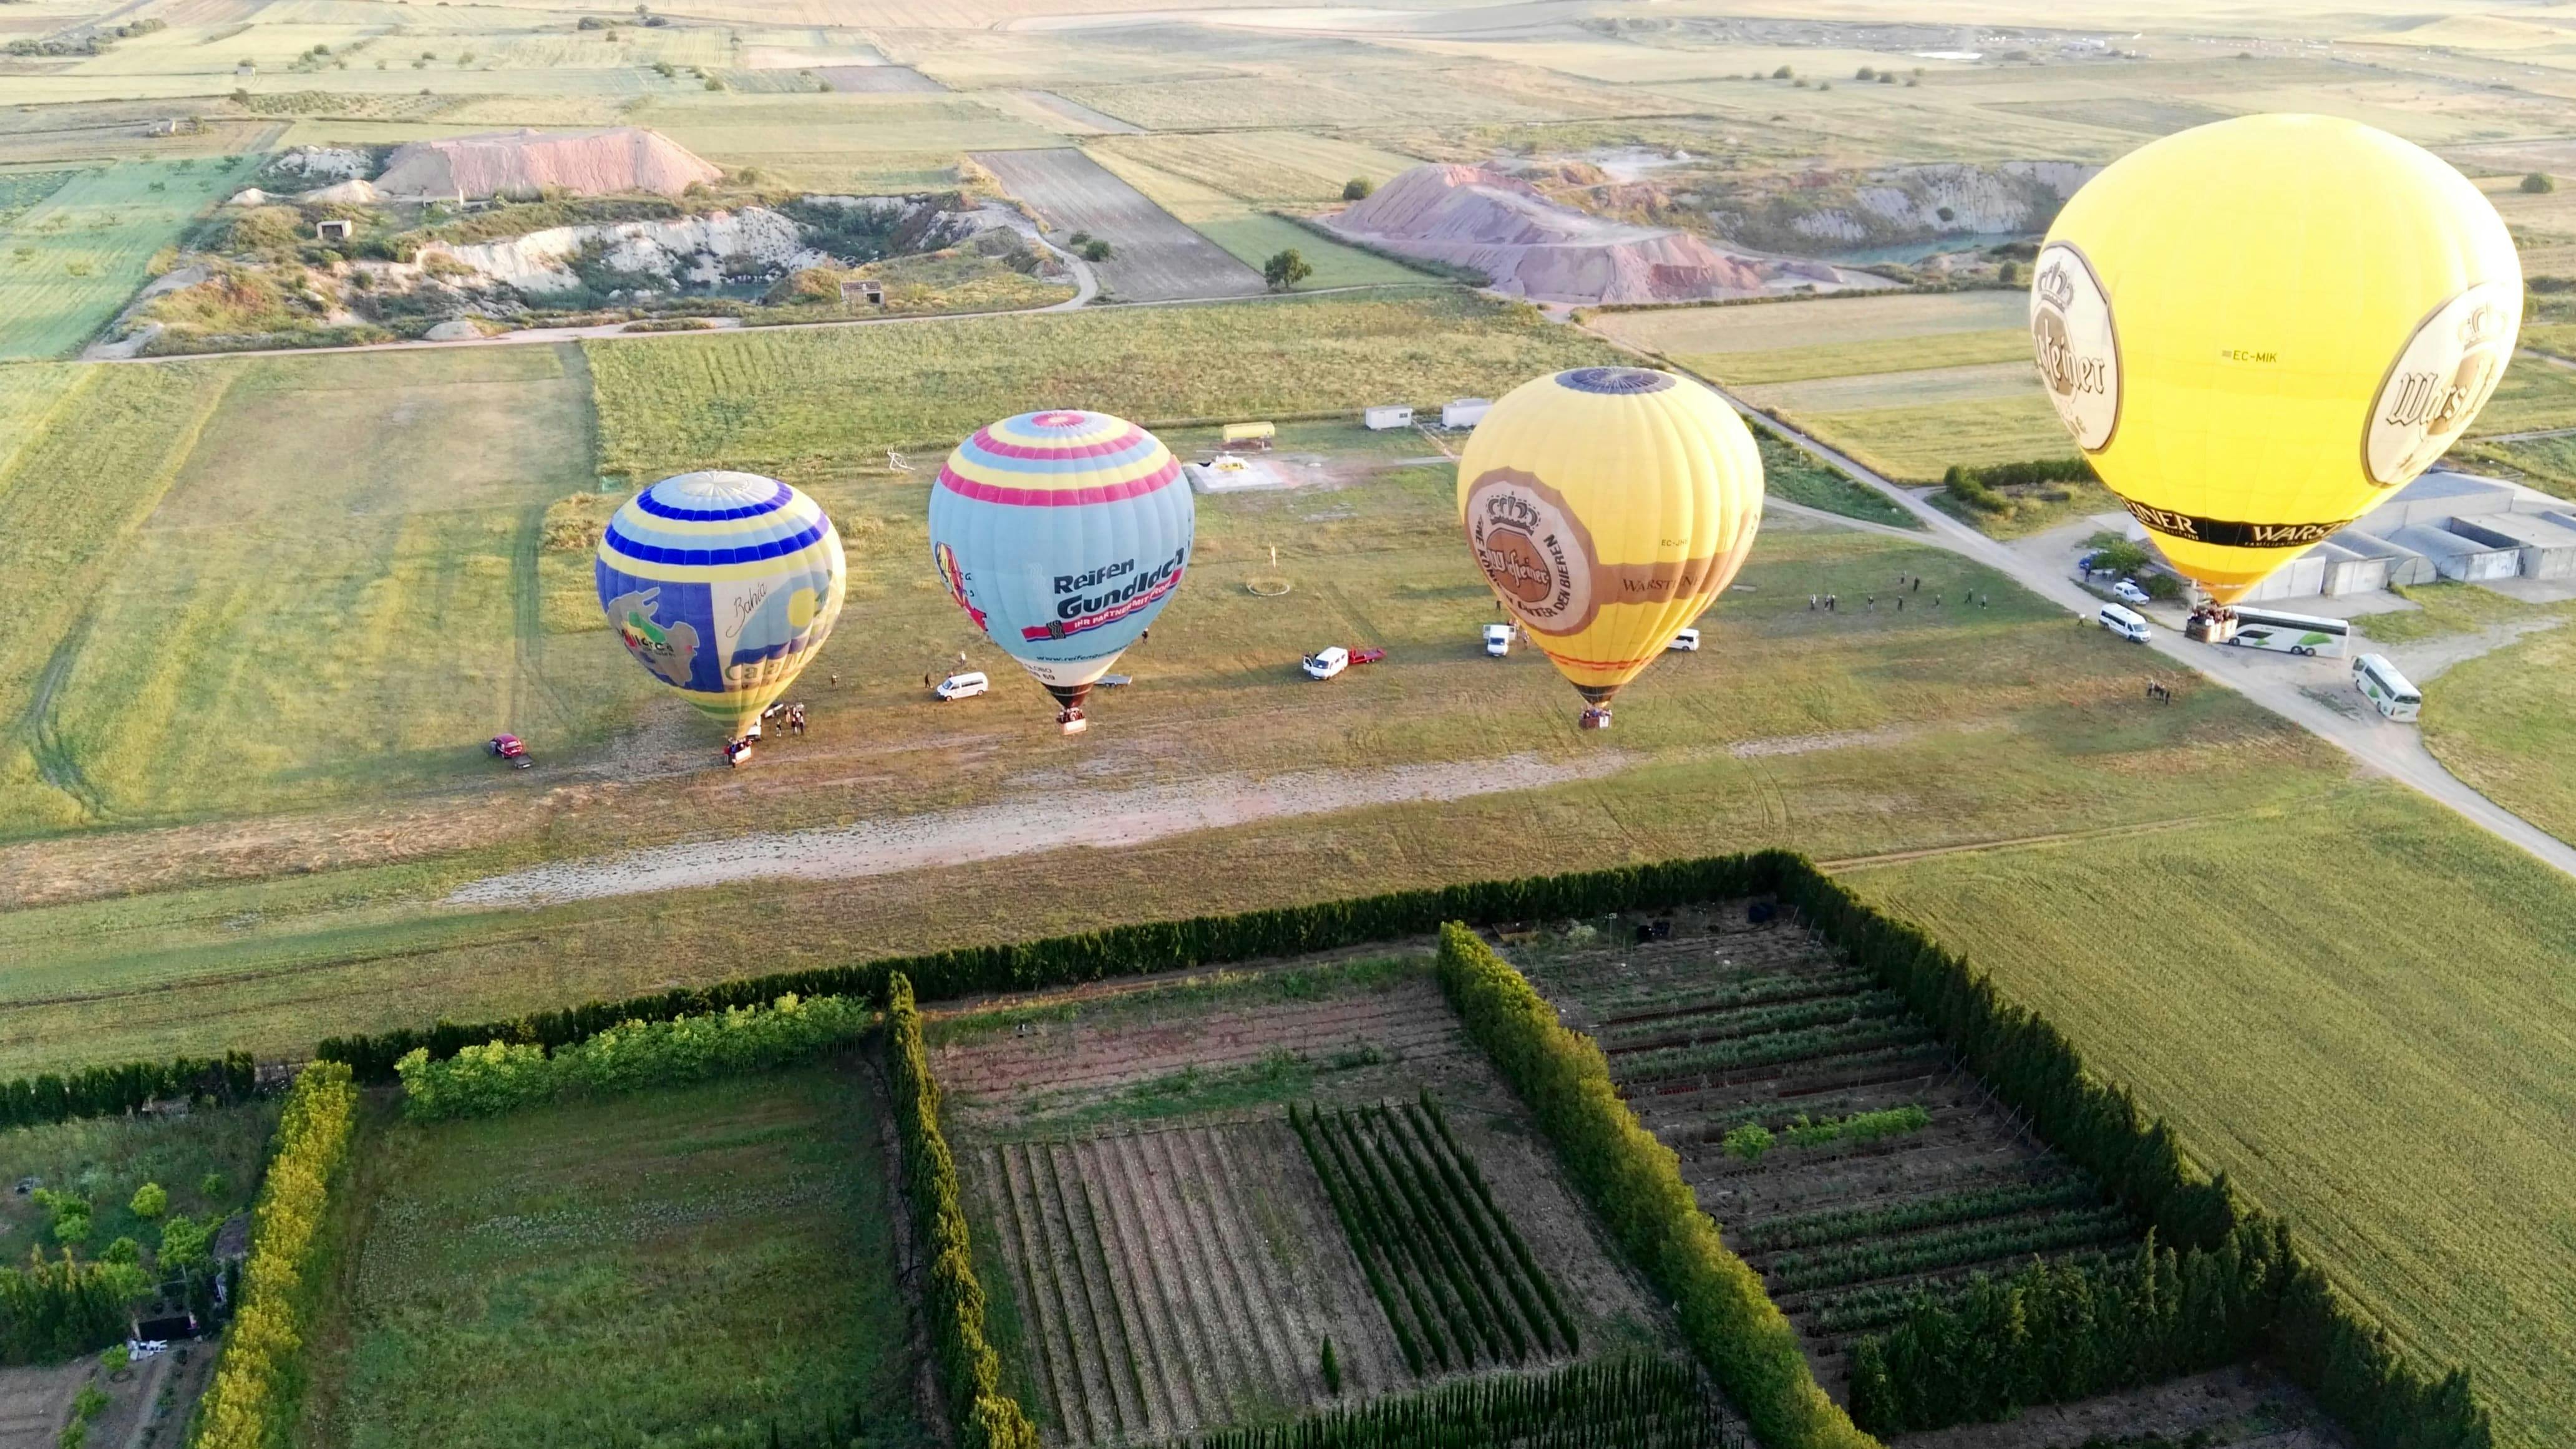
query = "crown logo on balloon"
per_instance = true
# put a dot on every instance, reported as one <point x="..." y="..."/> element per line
<point x="2054" y="286"/>
<point x="2480" y="327"/>
<point x="1511" y="510"/>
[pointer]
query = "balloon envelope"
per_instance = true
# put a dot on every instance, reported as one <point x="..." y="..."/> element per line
<point x="722" y="585"/>
<point x="1062" y="534"/>
<point x="2259" y="329"/>
<point x="1608" y="506"/>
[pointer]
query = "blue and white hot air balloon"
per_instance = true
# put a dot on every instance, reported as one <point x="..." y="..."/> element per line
<point x="1062" y="534"/>
<point x="723" y="585"/>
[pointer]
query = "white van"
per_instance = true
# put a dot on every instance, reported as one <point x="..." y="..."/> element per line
<point x="2128" y="625"/>
<point x="1498" y="639"/>
<point x="2381" y="684"/>
<point x="964" y="686"/>
<point x="1326" y="662"/>
<point x="1686" y="642"/>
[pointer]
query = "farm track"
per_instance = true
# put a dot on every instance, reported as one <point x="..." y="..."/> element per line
<point x="1716" y="1028"/>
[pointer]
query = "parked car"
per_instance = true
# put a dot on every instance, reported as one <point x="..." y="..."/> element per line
<point x="2127" y="625"/>
<point x="1326" y="662"/>
<point x="1498" y="639"/>
<point x="964" y="686"/>
<point x="2128" y="592"/>
<point x="510" y="748"/>
<point x="1687" y="641"/>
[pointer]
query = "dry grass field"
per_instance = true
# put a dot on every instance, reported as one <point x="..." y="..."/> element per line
<point x="1154" y="257"/>
<point x="1253" y="235"/>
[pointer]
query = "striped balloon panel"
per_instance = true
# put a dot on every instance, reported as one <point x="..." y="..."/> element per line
<point x="1062" y="535"/>
<point x="722" y="585"/>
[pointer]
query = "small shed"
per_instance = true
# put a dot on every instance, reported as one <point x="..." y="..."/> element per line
<point x="333" y="230"/>
<point x="1464" y="412"/>
<point x="2303" y="577"/>
<point x="1249" y="437"/>
<point x="1389" y="416"/>
<point x="856" y="291"/>
<point x="2548" y="548"/>
<point x="2458" y="558"/>
<point x="2350" y="571"/>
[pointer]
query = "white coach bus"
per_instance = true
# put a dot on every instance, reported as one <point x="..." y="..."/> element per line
<point x="2381" y="684"/>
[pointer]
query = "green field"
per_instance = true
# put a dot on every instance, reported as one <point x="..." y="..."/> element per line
<point x="2506" y="723"/>
<point x="1793" y="473"/>
<point x="1919" y="443"/>
<point x="1265" y="166"/>
<point x="105" y="1159"/>
<point x="675" y="1267"/>
<point x="1252" y="235"/>
<point x="1963" y="350"/>
<point x="257" y="632"/>
<point x="68" y="263"/>
<point x="2536" y="394"/>
<point x="1794" y="327"/>
<point x="804" y="404"/>
<point x="2358" y="1009"/>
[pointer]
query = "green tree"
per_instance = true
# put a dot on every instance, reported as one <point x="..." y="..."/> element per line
<point x="2009" y="274"/>
<point x="2538" y="182"/>
<point x="72" y="1229"/>
<point x="151" y="1200"/>
<point x="1357" y="188"/>
<point x="1286" y="270"/>
<point x="1865" y="73"/>
<point x="123" y="1250"/>
<point x="1783" y="73"/>
<point x="188" y="1243"/>
<point x="1095" y="250"/>
<point x="1332" y="1371"/>
<point x="212" y="1186"/>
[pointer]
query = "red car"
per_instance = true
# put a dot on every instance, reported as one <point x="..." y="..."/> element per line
<point x="1367" y="656"/>
<point x="508" y="747"/>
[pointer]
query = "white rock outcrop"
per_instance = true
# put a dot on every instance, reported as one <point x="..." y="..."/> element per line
<point x="689" y="249"/>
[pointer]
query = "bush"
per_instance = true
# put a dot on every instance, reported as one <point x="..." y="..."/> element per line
<point x="500" y="1076"/>
<point x="151" y="1200"/>
<point x="985" y="1415"/>
<point x="1095" y="250"/>
<point x="251" y="1402"/>
<point x="1358" y="188"/>
<point x="1634" y="1182"/>
<point x="2539" y="182"/>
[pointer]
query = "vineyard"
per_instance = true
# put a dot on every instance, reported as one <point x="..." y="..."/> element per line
<point x="1818" y="1120"/>
<point x="1432" y="1240"/>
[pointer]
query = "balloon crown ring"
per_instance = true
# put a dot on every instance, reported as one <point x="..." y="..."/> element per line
<point x="1060" y="419"/>
<point x="1615" y="380"/>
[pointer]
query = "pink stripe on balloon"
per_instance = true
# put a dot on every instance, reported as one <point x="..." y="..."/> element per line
<point x="1061" y="497"/>
<point x="999" y="449"/>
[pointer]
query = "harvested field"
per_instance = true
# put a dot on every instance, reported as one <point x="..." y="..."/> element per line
<point x="1083" y="118"/>
<point x="1919" y="443"/>
<point x="1252" y="234"/>
<point x="1154" y="257"/>
<point x="877" y="80"/>
<point x="1776" y="326"/>
<point x="1276" y="166"/>
<point x="1170" y="1251"/>
<point x="1845" y="1155"/>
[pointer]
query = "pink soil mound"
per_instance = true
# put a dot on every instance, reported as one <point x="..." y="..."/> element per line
<point x="1533" y="247"/>
<point x="522" y="163"/>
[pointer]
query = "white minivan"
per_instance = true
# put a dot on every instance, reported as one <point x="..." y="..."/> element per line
<point x="963" y="686"/>
<point x="1498" y="639"/>
<point x="1686" y="642"/>
<point x="2125" y="623"/>
<point x="1327" y="662"/>
<point x="2381" y="684"/>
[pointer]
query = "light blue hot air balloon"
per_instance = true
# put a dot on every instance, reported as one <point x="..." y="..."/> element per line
<point x="1062" y="534"/>
<point x="722" y="585"/>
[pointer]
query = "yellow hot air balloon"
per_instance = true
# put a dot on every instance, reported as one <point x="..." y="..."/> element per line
<point x="1608" y="506"/>
<point x="2260" y="328"/>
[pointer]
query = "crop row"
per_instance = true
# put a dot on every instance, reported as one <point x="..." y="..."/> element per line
<point x="1618" y="1003"/>
<point x="1727" y="1023"/>
<point x="1949" y="1247"/>
<point x="1633" y="1403"/>
<point x="1774" y="1048"/>
<point x="1430" y="1242"/>
<point x="1836" y="1225"/>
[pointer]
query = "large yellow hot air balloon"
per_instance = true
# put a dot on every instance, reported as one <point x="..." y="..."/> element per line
<point x="2258" y="329"/>
<point x="1608" y="506"/>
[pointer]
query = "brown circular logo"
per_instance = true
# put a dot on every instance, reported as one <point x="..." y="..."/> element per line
<point x="1533" y="550"/>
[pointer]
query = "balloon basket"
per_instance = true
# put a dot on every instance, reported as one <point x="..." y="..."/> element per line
<point x="1595" y="719"/>
<point x="1072" y="722"/>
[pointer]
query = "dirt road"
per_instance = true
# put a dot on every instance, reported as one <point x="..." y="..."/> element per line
<point x="1021" y="827"/>
<point x="2297" y="692"/>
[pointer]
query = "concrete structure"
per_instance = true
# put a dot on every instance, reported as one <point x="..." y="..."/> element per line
<point x="2547" y="548"/>
<point x="2436" y="499"/>
<point x="2303" y="577"/>
<point x="331" y="230"/>
<point x="2401" y="567"/>
<point x="1464" y="412"/>
<point x="1380" y="419"/>
<point x="2355" y="564"/>
<point x="2456" y="557"/>
<point x="855" y="292"/>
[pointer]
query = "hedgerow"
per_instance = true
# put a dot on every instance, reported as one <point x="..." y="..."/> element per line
<point x="985" y="1415"/>
<point x="252" y="1401"/>
<point x="55" y="1309"/>
<point x="110" y="1091"/>
<point x="500" y="1077"/>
